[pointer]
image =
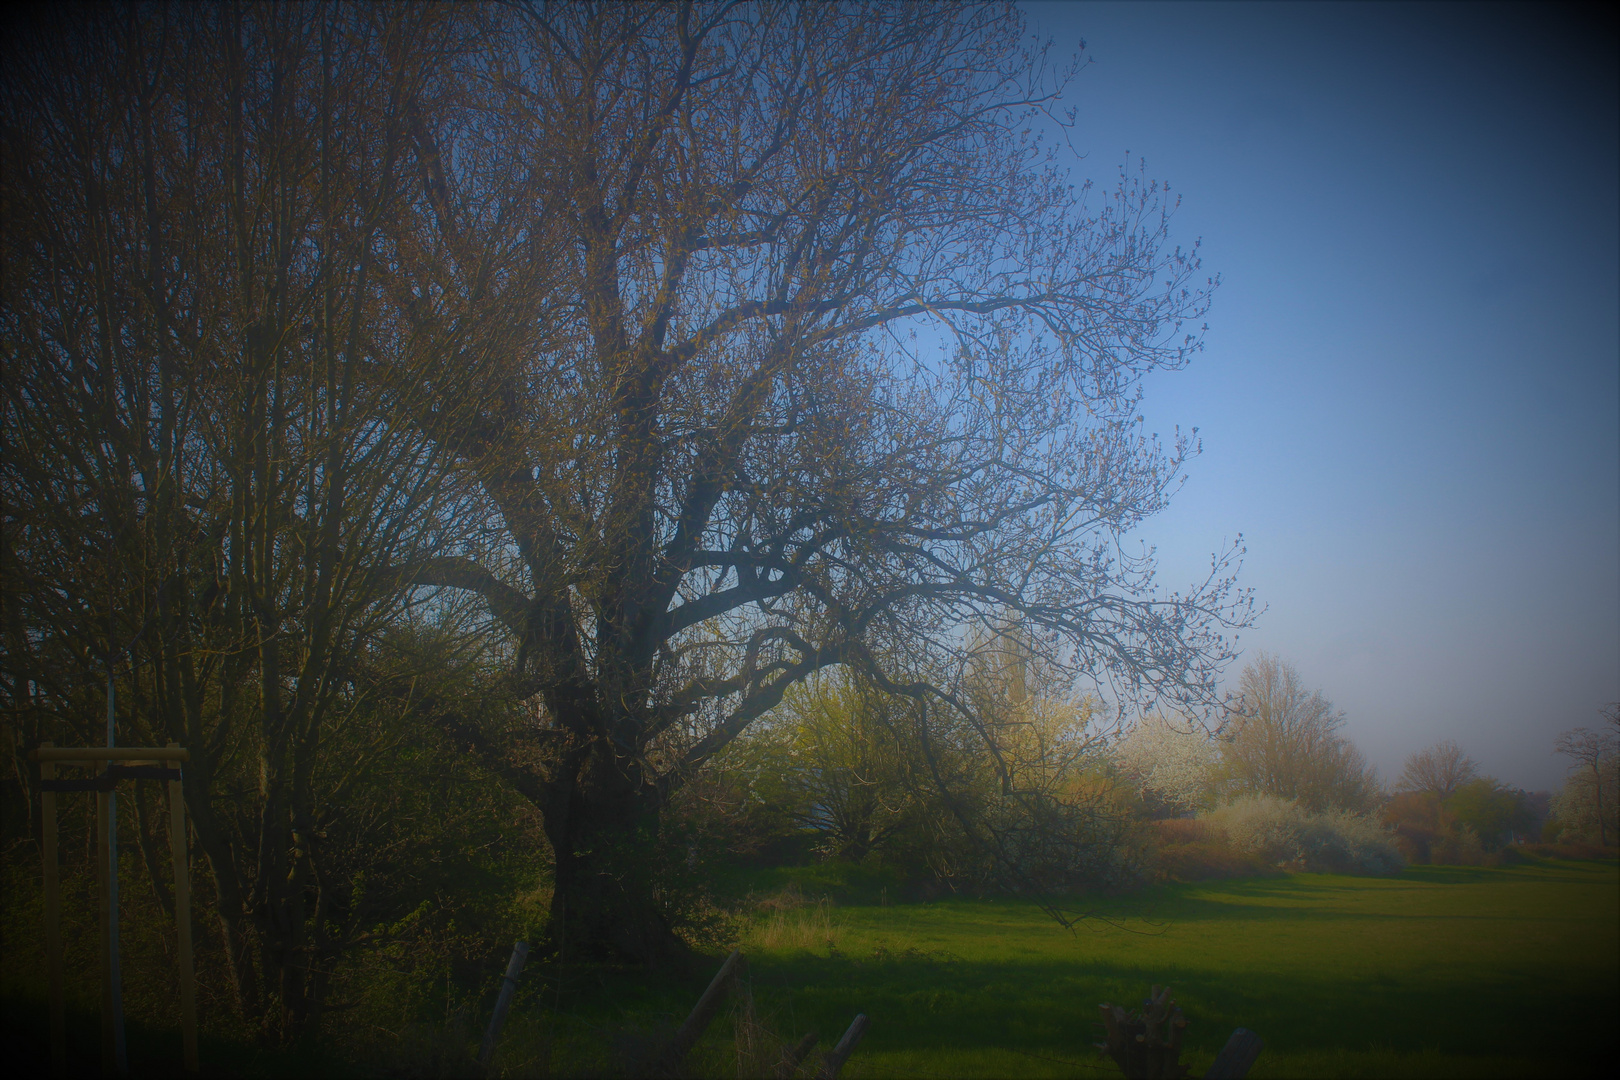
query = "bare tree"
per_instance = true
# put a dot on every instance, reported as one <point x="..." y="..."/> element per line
<point x="1591" y="751"/>
<point x="1284" y="741"/>
<point x="1441" y="769"/>
<point x="829" y="364"/>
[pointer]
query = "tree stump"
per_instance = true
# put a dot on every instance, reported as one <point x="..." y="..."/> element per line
<point x="1146" y="1044"/>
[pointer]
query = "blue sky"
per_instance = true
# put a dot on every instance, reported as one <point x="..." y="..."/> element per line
<point x="1410" y="394"/>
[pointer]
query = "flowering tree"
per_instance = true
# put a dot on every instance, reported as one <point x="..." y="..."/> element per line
<point x="1177" y="762"/>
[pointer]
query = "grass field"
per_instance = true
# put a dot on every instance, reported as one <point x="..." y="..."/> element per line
<point x="1439" y="972"/>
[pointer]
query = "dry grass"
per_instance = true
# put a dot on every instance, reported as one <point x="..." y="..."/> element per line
<point x="781" y="925"/>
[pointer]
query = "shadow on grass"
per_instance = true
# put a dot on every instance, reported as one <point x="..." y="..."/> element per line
<point x="150" y="1051"/>
<point x="1580" y="873"/>
<point x="1311" y="897"/>
<point x="1052" y="1008"/>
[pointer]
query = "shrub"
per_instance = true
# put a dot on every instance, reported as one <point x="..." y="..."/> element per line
<point x="1418" y="821"/>
<point x="1282" y="831"/>
<point x="1174" y="766"/>
<point x="1190" y="849"/>
<point x="1494" y="811"/>
<point x="1459" y="847"/>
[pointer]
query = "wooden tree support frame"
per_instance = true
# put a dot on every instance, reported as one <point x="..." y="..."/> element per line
<point x="138" y="763"/>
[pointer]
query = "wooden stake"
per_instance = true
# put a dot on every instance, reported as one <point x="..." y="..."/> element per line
<point x="103" y="862"/>
<point x="182" y="918"/>
<point x="703" y="1012"/>
<point x="115" y="967"/>
<point x="834" y="1059"/>
<point x="53" y="921"/>
<point x="792" y="1056"/>
<point x="1236" y="1057"/>
<point x="514" y="968"/>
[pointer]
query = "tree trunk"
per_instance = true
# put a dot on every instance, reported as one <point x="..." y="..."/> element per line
<point x="602" y="820"/>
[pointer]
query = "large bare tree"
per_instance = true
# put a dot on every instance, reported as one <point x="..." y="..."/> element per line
<point x="1441" y="769"/>
<point x="829" y="364"/>
<point x="1593" y="753"/>
<point x="1283" y="740"/>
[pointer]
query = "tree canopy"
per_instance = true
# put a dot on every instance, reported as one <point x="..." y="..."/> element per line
<point x="707" y="345"/>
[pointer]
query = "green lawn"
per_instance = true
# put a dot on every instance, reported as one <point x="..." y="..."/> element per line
<point x="1439" y="972"/>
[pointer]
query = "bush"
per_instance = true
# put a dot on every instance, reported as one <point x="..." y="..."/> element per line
<point x="1495" y="812"/>
<point x="1189" y="849"/>
<point x="1280" y="830"/>
<point x="1469" y="828"/>
<point x="1417" y="821"/>
<point x="1459" y="847"/>
<point x="1173" y="766"/>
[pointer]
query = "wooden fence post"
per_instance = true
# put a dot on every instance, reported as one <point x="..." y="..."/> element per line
<point x="703" y="1012"/>
<point x="1236" y="1057"/>
<point x="834" y="1059"/>
<point x="103" y="861"/>
<point x="53" y="919"/>
<point x="792" y="1056"/>
<point x="178" y="849"/>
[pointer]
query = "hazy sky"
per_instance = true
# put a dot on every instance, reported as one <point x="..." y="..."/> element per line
<point x="1410" y="396"/>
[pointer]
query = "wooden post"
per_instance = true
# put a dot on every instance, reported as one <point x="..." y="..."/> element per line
<point x="115" y="967"/>
<point x="53" y="920"/>
<point x="103" y="860"/>
<point x="1236" y="1057"/>
<point x="178" y="849"/>
<point x="792" y="1056"/>
<point x="703" y="1011"/>
<point x="834" y="1059"/>
<point x="514" y="968"/>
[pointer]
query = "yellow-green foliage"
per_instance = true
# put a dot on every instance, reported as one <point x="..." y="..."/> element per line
<point x="1014" y="786"/>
